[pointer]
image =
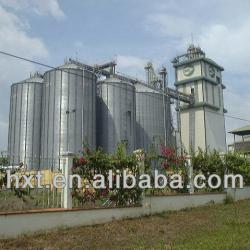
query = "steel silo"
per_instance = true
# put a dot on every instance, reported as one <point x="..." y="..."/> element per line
<point x="69" y="113"/>
<point x="151" y="129"/>
<point x="25" y="122"/>
<point x="115" y="114"/>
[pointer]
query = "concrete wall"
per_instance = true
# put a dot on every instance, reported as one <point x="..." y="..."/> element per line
<point x="239" y="194"/>
<point x="215" y="130"/>
<point x="193" y="129"/>
<point x="14" y="224"/>
<point x="158" y="204"/>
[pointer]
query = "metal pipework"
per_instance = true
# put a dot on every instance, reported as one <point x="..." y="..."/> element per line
<point x="163" y="74"/>
<point x="168" y="91"/>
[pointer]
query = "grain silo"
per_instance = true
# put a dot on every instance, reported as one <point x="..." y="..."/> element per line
<point x="69" y="113"/>
<point x="25" y="123"/>
<point x="151" y="130"/>
<point x="115" y="114"/>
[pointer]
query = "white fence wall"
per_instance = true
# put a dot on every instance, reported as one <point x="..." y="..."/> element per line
<point x="158" y="204"/>
<point x="239" y="194"/>
<point x="14" y="224"/>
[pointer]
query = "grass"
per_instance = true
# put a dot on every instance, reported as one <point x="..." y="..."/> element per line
<point x="213" y="227"/>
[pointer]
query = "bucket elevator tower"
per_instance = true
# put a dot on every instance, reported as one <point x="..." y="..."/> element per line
<point x="202" y="124"/>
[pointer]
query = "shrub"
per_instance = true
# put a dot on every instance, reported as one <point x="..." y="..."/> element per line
<point x="207" y="163"/>
<point x="99" y="162"/>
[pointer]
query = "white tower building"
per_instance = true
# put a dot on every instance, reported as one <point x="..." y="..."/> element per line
<point x="202" y="125"/>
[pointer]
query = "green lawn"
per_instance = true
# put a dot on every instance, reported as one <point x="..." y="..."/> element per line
<point x="212" y="227"/>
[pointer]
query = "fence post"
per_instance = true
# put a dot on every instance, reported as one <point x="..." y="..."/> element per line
<point x="231" y="192"/>
<point x="222" y="156"/>
<point x="140" y="156"/>
<point x="66" y="165"/>
<point x="190" y="175"/>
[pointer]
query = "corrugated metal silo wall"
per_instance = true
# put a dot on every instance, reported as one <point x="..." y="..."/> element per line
<point x="115" y="115"/>
<point x="25" y="123"/>
<point x="150" y="131"/>
<point x="69" y="113"/>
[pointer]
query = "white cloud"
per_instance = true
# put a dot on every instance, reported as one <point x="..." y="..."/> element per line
<point x="14" y="38"/>
<point x="238" y="105"/>
<point x="132" y="65"/>
<point x="223" y="37"/>
<point x="40" y="7"/>
<point x="230" y="46"/>
<point x="3" y="135"/>
<point x="169" y="25"/>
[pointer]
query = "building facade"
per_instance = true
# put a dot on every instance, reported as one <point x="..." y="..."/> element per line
<point x="202" y="124"/>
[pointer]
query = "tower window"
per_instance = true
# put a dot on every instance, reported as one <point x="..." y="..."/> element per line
<point x="192" y="91"/>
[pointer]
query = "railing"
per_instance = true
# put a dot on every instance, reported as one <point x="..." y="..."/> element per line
<point x="16" y="199"/>
<point x="242" y="147"/>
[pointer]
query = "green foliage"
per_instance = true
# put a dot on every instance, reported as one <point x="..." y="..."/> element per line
<point x="20" y="193"/>
<point x="4" y="161"/>
<point x="99" y="162"/>
<point x="236" y="163"/>
<point x="208" y="163"/>
<point x="151" y="158"/>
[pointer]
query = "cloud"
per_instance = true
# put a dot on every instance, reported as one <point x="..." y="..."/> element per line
<point x="14" y="38"/>
<point x="40" y="7"/>
<point x="223" y="38"/>
<point x="238" y="105"/>
<point x="133" y="66"/>
<point x="230" y="46"/>
<point x="169" y="25"/>
<point x="3" y="135"/>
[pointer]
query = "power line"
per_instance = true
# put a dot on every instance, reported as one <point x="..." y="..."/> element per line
<point x="229" y="116"/>
<point x="27" y="60"/>
<point x="237" y="118"/>
<point x="38" y="63"/>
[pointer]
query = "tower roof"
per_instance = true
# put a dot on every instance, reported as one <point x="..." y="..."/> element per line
<point x="194" y="54"/>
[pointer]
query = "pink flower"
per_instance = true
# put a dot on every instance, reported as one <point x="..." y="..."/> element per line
<point x="167" y="152"/>
<point x="165" y="165"/>
<point x="82" y="161"/>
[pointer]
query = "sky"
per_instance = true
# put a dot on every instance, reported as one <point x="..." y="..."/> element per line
<point x="133" y="32"/>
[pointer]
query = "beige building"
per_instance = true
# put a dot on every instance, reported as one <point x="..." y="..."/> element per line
<point x="202" y="124"/>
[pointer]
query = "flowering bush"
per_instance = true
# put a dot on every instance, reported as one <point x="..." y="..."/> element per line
<point x="99" y="162"/>
<point x="171" y="161"/>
